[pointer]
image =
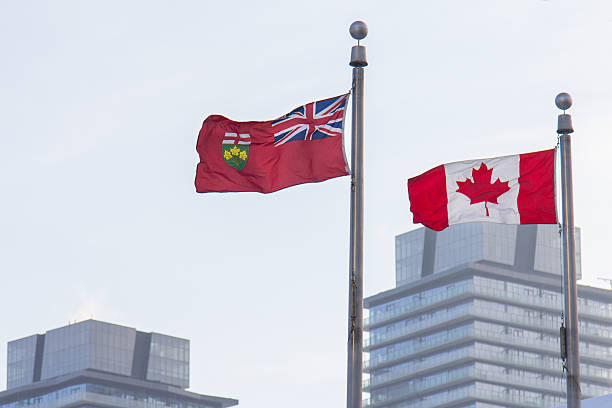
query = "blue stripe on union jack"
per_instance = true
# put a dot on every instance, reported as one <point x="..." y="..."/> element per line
<point x="315" y="120"/>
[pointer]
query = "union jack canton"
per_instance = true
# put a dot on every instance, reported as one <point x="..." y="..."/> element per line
<point x="315" y="120"/>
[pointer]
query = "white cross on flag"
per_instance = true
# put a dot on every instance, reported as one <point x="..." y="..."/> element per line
<point x="518" y="189"/>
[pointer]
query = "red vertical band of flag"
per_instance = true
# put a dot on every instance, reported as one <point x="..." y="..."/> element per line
<point x="536" y="198"/>
<point x="428" y="199"/>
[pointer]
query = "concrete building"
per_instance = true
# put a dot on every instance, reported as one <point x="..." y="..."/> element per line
<point x="96" y="364"/>
<point x="474" y="322"/>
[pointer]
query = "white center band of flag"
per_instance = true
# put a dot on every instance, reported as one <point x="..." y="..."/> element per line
<point x="237" y="138"/>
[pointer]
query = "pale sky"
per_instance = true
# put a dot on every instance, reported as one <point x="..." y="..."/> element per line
<point x="101" y="104"/>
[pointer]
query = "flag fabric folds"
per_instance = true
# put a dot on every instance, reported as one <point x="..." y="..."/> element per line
<point x="304" y="146"/>
<point x="518" y="189"/>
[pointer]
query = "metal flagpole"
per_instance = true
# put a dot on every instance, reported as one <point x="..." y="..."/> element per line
<point x="358" y="31"/>
<point x="564" y="129"/>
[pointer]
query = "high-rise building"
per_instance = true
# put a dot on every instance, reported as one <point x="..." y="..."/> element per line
<point x="474" y="322"/>
<point x="97" y="364"/>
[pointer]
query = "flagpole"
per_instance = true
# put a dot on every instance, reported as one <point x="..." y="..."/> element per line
<point x="358" y="31"/>
<point x="564" y="129"/>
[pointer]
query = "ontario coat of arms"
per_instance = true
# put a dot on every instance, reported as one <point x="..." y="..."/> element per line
<point x="235" y="149"/>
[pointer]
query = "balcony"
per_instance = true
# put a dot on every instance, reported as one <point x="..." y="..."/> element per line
<point x="544" y="345"/>
<point x="546" y="385"/>
<point x="471" y="393"/>
<point x="472" y="354"/>
<point x="468" y="289"/>
<point x="481" y="313"/>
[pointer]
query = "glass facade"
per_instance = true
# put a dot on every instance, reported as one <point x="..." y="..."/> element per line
<point x="548" y="250"/>
<point x="169" y="360"/>
<point x="479" y="390"/>
<point x="474" y="242"/>
<point x="89" y="394"/>
<point x="89" y="344"/>
<point x="484" y="372"/>
<point x="483" y="336"/>
<point x="409" y="255"/>
<point x="100" y="346"/>
<point x="20" y="361"/>
<point x="486" y="310"/>
<point x="457" y="246"/>
<point x="499" y="243"/>
<point x="413" y="302"/>
<point x="93" y="364"/>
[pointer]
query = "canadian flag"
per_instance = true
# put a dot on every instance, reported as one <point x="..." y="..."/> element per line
<point x="518" y="189"/>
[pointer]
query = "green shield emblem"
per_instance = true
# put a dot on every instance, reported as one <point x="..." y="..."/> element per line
<point x="236" y="155"/>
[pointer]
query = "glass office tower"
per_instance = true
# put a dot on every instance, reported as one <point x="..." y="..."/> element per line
<point x="96" y="364"/>
<point x="474" y="322"/>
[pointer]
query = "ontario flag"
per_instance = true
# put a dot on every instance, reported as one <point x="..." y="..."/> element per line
<point x="304" y="146"/>
<point x="518" y="189"/>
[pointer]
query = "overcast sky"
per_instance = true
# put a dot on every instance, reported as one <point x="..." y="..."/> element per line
<point x="101" y="104"/>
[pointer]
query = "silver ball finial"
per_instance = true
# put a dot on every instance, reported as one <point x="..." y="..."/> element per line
<point x="563" y="101"/>
<point x="358" y="30"/>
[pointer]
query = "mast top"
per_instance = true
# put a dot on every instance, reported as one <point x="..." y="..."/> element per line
<point x="358" y="30"/>
<point x="564" y="123"/>
<point x="563" y="101"/>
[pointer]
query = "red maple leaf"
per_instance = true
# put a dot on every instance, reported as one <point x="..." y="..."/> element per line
<point x="481" y="188"/>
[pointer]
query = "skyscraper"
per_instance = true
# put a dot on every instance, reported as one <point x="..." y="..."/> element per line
<point x="474" y="322"/>
<point x="97" y="364"/>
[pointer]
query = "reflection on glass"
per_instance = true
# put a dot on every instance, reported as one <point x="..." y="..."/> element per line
<point x="169" y="360"/>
